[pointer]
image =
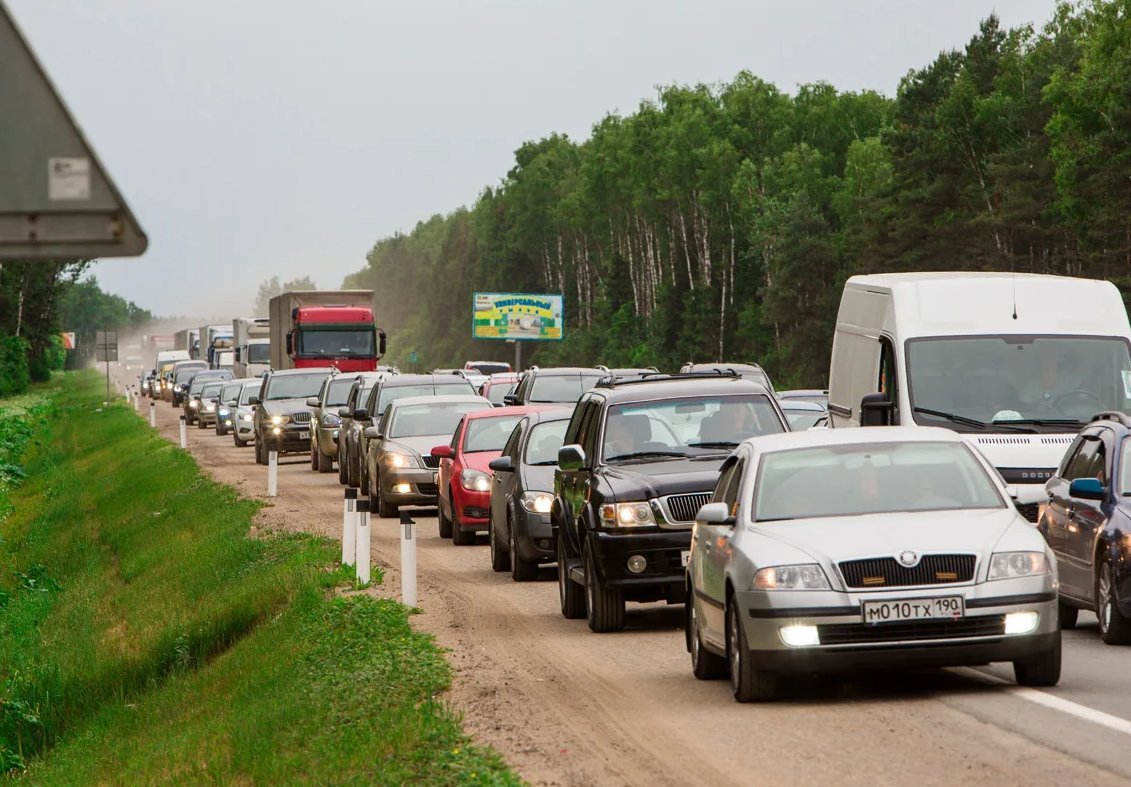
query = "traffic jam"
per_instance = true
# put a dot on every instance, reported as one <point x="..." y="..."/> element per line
<point x="955" y="497"/>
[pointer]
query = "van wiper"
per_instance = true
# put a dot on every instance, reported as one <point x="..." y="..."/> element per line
<point x="1043" y="422"/>
<point x="961" y="419"/>
<point x="647" y="455"/>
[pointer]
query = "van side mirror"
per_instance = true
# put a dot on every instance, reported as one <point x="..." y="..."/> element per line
<point x="715" y="514"/>
<point x="504" y="464"/>
<point x="1086" y="489"/>
<point x="875" y="410"/>
<point x="571" y="457"/>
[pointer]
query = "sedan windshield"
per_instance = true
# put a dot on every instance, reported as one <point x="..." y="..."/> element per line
<point x="547" y="389"/>
<point x="488" y="434"/>
<point x="418" y="420"/>
<point x="687" y="427"/>
<point x="496" y="391"/>
<point x="875" y="478"/>
<point x="1021" y="380"/>
<point x="390" y="393"/>
<point x="210" y="390"/>
<point x="231" y="391"/>
<point x="295" y="386"/>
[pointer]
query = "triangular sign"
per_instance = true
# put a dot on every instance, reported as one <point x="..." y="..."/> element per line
<point x="56" y="200"/>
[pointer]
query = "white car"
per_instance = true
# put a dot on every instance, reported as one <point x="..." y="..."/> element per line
<point x="843" y="549"/>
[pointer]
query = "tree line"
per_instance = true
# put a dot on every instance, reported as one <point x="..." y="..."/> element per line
<point x="38" y="300"/>
<point x="720" y="221"/>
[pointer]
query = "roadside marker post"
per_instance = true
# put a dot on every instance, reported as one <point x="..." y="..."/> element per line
<point x="349" y="526"/>
<point x="408" y="560"/>
<point x="363" y="542"/>
<point x="272" y="473"/>
<point x="184" y="433"/>
<point x="153" y="415"/>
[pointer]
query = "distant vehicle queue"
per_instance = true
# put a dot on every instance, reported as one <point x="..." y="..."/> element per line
<point x="978" y="512"/>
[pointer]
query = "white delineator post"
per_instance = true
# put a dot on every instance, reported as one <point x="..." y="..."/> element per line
<point x="137" y="400"/>
<point x="184" y="433"/>
<point x="408" y="561"/>
<point x="272" y="473"/>
<point x="153" y="414"/>
<point x="363" y="542"/>
<point x="349" y="527"/>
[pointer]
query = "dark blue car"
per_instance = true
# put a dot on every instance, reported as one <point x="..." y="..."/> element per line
<point x="1087" y="522"/>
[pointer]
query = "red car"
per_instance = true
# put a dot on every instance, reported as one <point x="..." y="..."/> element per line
<point x="497" y="386"/>
<point x="464" y="479"/>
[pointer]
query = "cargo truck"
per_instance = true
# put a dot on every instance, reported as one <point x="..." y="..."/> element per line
<point x="187" y="340"/>
<point x="252" y="345"/>
<point x="325" y="328"/>
<point x="213" y="339"/>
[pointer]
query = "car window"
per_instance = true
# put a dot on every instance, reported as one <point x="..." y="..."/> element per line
<point x="511" y="447"/>
<point x="230" y="392"/>
<point x="211" y="389"/>
<point x="390" y="393"/>
<point x="338" y="392"/>
<point x="488" y="434"/>
<point x="587" y="433"/>
<point x="725" y="482"/>
<point x="1088" y="461"/>
<point x="496" y="391"/>
<point x="543" y="443"/>
<point x="551" y="388"/>
<point x="454" y="445"/>
<point x="871" y="478"/>
<point x="419" y="420"/>
<point x="1069" y="456"/>
<point x="1125" y="467"/>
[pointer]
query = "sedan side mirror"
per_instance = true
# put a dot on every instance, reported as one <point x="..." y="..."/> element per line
<point x="715" y="514"/>
<point x="372" y="433"/>
<point x="1086" y="489"/>
<point x="253" y="400"/>
<point x="504" y="464"/>
<point x="510" y="399"/>
<point x="571" y="457"/>
<point x="361" y="414"/>
<point x="442" y="451"/>
<point x="313" y="402"/>
<point x="875" y="410"/>
<point x="345" y="412"/>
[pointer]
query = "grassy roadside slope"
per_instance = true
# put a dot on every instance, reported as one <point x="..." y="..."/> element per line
<point x="145" y="638"/>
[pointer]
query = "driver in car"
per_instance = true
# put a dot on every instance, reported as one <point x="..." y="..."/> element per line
<point x="1042" y="391"/>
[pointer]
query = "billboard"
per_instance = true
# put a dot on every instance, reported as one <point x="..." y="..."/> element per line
<point x="517" y="315"/>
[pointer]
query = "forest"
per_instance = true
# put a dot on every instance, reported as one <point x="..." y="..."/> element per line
<point x="719" y="222"/>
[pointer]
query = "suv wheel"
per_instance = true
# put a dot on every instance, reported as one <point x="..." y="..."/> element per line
<point x="325" y="463"/>
<point x="521" y="570"/>
<point x="705" y="665"/>
<point x="747" y="683"/>
<point x="313" y="457"/>
<point x="1067" y="615"/>
<point x="1040" y="670"/>
<point x="260" y="451"/>
<point x="604" y="606"/>
<point x="1114" y="628"/>
<point x="570" y="594"/>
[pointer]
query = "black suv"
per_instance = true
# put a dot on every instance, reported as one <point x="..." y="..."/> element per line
<point x="555" y="385"/>
<point x="640" y="458"/>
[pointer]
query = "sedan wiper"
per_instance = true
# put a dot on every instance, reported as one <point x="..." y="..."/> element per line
<point x="714" y="444"/>
<point x="961" y="419"/>
<point x="647" y="455"/>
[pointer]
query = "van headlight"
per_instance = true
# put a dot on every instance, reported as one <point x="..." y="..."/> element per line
<point x="537" y="502"/>
<point x="475" y="481"/>
<point x="637" y="514"/>
<point x="805" y="576"/>
<point x="1012" y="565"/>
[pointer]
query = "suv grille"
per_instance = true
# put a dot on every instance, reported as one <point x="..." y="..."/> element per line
<point x="864" y="633"/>
<point x="1030" y="511"/>
<point x="301" y="417"/>
<point x="683" y="508"/>
<point x="431" y="461"/>
<point x="882" y="572"/>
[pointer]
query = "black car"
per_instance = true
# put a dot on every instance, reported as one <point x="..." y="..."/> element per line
<point x="208" y="403"/>
<point x="639" y="460"/>
<point x="180" y="378"/>
<point x="1087" y="523"/>
<point x="282" y="417"/>
<point x="349" y="431"/>
<point x="190" y="397"/>
<point x="554" y="385"/>
<point x="520" y="532"/>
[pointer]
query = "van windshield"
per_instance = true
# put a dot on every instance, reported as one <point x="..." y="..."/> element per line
<point x="1044" y="382"/>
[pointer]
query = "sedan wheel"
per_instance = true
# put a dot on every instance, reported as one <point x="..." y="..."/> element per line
<point x="1114" y="628"/>
<point x="747" y="683"/>
<point x="521" y="570"/>
<point x="1040" y="670"/>
<point x="1067" y="615"/>
<point x="705" y="665"/>
<point x="500" y="560"/>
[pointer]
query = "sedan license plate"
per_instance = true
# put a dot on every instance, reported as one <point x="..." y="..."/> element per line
<point x="900" y="610"/>
<point x="684" y="557"/>
<point x="304" y="435"/>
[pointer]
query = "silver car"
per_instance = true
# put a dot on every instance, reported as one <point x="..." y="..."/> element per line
<point x="243" y="412"/>
<point x="843" y="549"/>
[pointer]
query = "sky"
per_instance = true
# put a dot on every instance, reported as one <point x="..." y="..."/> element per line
<point x="255" y="138"/>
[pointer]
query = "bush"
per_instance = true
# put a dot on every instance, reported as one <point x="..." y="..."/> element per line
<point x="14" y="376"/>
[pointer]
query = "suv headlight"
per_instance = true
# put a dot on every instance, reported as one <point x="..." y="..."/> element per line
<point x="398" y="459"/>
<point x="1011" y="565"/>
<point x="475" y="480"/>
<point x="279" y="420"/>
<point x="637" y="514"/>
<point x="536" y="502"/>
<point x="329" y="419"/>
<point x="805" y="576"/>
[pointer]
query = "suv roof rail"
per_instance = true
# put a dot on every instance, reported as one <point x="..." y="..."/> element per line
<point x="613" y="381"/>
<point x="1113" y="415"/>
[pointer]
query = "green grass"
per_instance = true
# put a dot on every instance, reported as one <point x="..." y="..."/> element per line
<point x="145" y="638"/>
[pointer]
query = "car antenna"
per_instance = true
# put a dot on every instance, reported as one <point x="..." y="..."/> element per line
<point x="1013" y="282"/>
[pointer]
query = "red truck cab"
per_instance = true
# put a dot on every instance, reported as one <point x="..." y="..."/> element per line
<point x="340" y="336"/>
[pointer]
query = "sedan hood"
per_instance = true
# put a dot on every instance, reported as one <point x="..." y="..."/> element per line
<point x="644" y="480"/>
<point x="421" y="445"/>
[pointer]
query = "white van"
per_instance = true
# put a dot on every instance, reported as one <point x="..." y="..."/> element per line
<point x="1017" y="363"/>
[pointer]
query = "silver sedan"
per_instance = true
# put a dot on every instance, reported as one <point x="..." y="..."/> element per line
<point x="845" y="549"/>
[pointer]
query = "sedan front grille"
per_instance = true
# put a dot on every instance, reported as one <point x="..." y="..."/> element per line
<point x="884" y="572"/>
<point x="301" y="417"/>
<point x="431" y="461"/>
<point x="874" y="633"/>
<point x="683" y="508"/>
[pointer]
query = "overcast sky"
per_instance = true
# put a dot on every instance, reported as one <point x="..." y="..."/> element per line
<point x="283" y="137"/>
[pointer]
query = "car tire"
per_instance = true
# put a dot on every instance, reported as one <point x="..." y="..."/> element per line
<point x="200" y="424"/>
<point x="461" y="536"/>
<point x="747" y="683"/>
<point x="363" y="472"/>
<point x="236" y="439"/>
<point x="705" y="665"/>
<point x="445" y="522"/>
<point x="313" y="459"/>
<point x="1115" y="629"/>
<point x="1040" y="670"/>
<point x="343" y="479"/>
<point x="1067" y="615"/>
<point x="384" y="507"/>
<point x="500" y="560"/>
<point x="570" y="594"/>
<point x="325" y="463"/>
<point x="261" y="453"/>
<point x="352" y="474"/>
<point x="521" y="570"/>
<point x="604" y="607"/>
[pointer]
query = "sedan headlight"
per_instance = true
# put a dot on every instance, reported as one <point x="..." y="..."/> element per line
<point x="475" y="481"/>
<point x="279" y="420"/>
<point x="224" y="412"/>
<point x="806" y="576"/>
<point x="536" y="502"/>
<point x="195" y="403"/>
<point x="211" y="408"/>
<point x="397" y="459"/>
<point x="247" y="417"/>
<point x="1011" y="565"/>
<point x="638" y="514"/>
<point x="329" y="419"/>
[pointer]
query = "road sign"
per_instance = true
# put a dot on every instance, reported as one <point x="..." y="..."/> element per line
<point x="56" y="200"/>
<point x="413" y="357"/>
<point x="106" y="346"/>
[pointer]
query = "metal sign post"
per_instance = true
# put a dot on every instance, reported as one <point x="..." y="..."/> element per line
<point x="106" y="350"/>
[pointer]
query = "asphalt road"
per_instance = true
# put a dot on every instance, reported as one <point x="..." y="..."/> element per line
<point x="566" y="706"/>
